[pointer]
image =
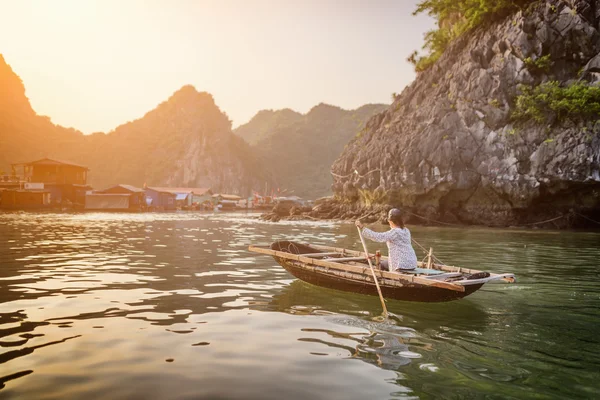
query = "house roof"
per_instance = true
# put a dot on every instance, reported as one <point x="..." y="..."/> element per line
<point x="25" y="190"/>
<point x="160" y="190"/>
<point x="227" y="196"/>
<point x="107" y="195"/>
<point x="127" y="187"/>
<point x="50" y="161"/>
<point x="176" y="190"/>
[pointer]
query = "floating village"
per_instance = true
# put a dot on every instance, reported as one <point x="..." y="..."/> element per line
<point x="57" y="185"/>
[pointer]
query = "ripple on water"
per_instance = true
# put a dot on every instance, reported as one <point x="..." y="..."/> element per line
<point x="109" y="298"/>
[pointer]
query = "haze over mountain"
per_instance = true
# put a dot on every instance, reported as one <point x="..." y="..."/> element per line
<point x="299" y="149"/>
<point x="250" y="55"/>
<point x="185" y="141"/>
<point x="265" y="123"/>
<point x="24" y="135"/>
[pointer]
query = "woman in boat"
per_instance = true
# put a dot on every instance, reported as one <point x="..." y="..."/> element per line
<point x="401" y="254"/>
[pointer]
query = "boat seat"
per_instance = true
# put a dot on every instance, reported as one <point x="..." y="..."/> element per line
<point x="423" y="271"/>
<point x="445" y="276"/>
<point x="345" y="259"/>
<point x="333" y="253"/>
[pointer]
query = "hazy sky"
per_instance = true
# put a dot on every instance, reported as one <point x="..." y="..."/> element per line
<point x="94" y="65"/>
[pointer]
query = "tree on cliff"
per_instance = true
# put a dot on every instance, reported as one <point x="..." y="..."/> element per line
<point x="455" y="17"/>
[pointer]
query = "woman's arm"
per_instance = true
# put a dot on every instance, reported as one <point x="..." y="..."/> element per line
<point x="378" y="236"/>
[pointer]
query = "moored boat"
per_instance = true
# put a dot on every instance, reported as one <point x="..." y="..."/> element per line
<point x="348" y="270"/>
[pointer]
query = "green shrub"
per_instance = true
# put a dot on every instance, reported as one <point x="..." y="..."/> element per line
<point x="549" y="100"/>
<point x="456" y="17"/>
<point x="541" y="64"/>
<point x="436" y="42"/>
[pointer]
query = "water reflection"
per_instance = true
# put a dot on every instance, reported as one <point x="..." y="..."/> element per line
<point x="173" y="306"/>
<point x="386" y="350"/>
<point x="412" y="335"/>
<point x="302" y="298"/>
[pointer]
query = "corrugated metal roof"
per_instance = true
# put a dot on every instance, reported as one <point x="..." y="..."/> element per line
<point x="50" y="161"/>
<point x="127" y="187"/>
<point x="109" y="194"/>
<point x="26" y="190"/>
<point x="176" y="190"/>
<point x="227" y="196"/>
<point x="160" y="190"/>
<point x="132" y="188"/>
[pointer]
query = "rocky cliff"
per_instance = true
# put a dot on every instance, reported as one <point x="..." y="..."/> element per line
<point x="300" y="148"/>
<point x="185" y="141"/>
<point x="449" y="148"/>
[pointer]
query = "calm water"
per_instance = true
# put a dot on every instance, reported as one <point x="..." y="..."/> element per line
<point x="173" y="306"/>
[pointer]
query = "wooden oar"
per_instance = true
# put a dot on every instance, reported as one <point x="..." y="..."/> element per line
<point x="385" y="311"/>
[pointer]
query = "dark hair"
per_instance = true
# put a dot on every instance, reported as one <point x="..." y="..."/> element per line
<point x="396" y="216"/>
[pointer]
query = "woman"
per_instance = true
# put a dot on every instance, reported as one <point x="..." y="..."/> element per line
<point x="401" y="254"/>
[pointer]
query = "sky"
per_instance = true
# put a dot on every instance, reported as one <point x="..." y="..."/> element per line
<point x="94" y="65"/>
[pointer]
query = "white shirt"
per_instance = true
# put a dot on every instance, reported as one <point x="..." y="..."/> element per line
<point x="401" y="253"/>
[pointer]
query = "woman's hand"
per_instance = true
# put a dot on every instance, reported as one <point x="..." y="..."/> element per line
<point x="359" y="224"/>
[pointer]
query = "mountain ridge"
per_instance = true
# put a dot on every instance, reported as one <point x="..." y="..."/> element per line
<point x="300" y="150"/>
<point x="185" y="140"/>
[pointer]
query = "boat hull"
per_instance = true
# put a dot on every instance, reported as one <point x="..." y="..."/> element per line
<point x="407" y="292"/>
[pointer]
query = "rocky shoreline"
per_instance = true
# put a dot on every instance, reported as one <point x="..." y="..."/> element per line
<point x="330" y="208"/>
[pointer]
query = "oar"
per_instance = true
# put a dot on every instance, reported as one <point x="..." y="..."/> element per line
<point x="385" y="311"/>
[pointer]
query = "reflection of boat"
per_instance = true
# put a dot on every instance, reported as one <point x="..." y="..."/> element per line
<point x="301" y="298"/>
<point x="348" y="270"/>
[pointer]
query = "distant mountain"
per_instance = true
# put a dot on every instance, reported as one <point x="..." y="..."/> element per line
<point x="265" y="123"/>
<point x="185" y="141"/>
<point x="24" y="135"/>
<point x="300" y="149"/>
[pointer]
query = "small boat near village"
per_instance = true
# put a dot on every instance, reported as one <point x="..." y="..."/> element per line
<point x="348" y="270"/>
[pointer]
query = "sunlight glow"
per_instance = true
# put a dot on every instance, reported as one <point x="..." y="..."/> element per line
<point x="96" y="64"/>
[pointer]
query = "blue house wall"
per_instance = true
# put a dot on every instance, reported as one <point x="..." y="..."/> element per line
<point x="161" y="200"/>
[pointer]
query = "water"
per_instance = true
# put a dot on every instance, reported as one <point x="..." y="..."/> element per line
<point x="173" y="306"/>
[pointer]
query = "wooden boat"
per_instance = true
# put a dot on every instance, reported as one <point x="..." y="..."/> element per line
<point x="348" y="270"/>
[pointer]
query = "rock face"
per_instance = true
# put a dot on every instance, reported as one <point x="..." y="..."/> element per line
<point x="448" y="150"/>
<point x="185" y="141"/>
